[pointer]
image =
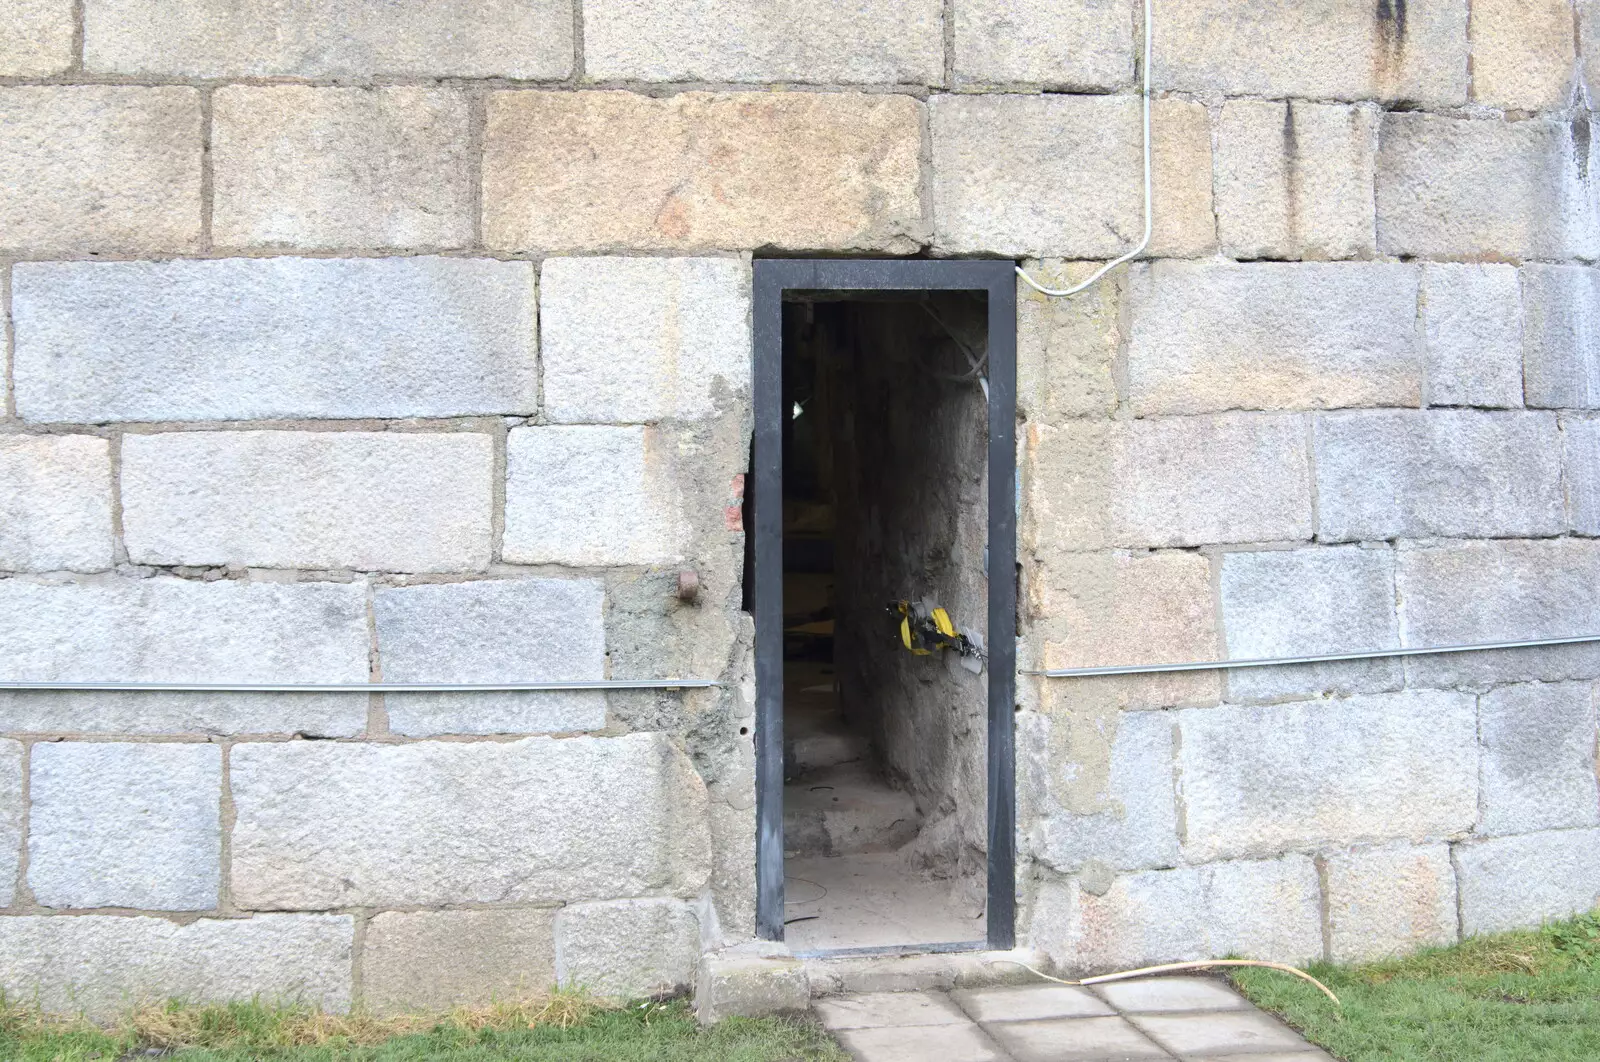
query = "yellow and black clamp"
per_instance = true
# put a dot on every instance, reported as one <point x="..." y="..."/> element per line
<point x="925" y="627"/>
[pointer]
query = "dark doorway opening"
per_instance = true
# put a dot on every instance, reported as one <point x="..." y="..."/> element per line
<point x="885" y="402"/>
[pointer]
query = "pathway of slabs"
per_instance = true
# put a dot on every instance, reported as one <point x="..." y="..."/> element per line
<point x="1193" y="1019"/>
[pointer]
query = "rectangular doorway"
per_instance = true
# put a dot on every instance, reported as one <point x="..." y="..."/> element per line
<point x="884" y="594"/>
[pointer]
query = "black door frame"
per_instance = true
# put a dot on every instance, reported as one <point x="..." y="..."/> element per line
<point x="774" y="277"/>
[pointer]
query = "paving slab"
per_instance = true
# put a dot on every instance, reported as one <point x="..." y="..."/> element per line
<point x="920" y="1043"/>
<point x="1073" y="1040"/>
<point x="875" y="1010"/>
<point x="1159" y="994"/>
<point x="1030" y="1003"/>
<point x="1271" y="1056"/>
<point x="1218" y="1032"/>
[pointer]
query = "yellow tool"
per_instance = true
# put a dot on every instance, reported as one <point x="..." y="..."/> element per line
<point x="925" y="628"/>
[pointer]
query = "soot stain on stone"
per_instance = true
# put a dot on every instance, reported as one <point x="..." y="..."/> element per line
<point x="1391" y="31"/>
<point x="1582" y="136"/>
<point x="1291" y="167"/>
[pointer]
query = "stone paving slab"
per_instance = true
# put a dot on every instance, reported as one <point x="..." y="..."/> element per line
<point x="1193" y="1019"/>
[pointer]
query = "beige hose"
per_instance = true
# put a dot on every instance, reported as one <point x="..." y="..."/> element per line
<point x="1175" y="967"/>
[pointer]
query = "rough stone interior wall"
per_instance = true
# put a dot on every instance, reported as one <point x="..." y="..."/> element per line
<point x="352" y="339"/>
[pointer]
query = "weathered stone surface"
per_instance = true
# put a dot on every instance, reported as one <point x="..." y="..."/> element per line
<point x="590" y="495"/>
<point x="115" y="824"/>
<point x="1522" y="53"/>
<point x="1389" y="901"/>
<point x="319" y="168"/>
<point x="36" y="38"/>
<point x="1073" y="44"/>
<point x="1294" y="179"/>
<point x="430" y="961"/>
<point x="55" y="503"/>
<point x="242" y="339"/>
<point x="1466" y="593"/>
<point x="1588" y="12"/>
<point x="1483" y="189"/>
<point x="1129" y="820"/>
<point x="10" y="817"/>
<point x="102" y="964"/>
<point x="99" y="168"/>
<point x="1066" y="347"/>
<point x="1209" y="336"/>
<point x="636" y="340"/>
<point x="499" y="630"/>
<point x="1580" y="443"/>
<point x="174" y="630"/>
<point x="324" y="825"/>
<point x="1538" y="758"/>
<point x="594" y="171"/>
<point x="1258" y="780"/>
<point x="1101" y="609"/>
<point x="750" y="986"/>
<point x="1306" y="602"/>
<point x="373" y="501"/>
<point x="1560" y="341"/>
<point x="81" y="712"/>
<point x="1184" y="481"/>
<point x="627" y="949"/>
<point x="330" y="38"/>
<point x="1341" y="49"/>
<point x="1059" y="175"/>
<point x="874" y="41"/>
<point x="1519" y="882"/>
<point x="1401" y="474"/>
<point x="1472" y="334"/>
<point x="1262" y="910"/>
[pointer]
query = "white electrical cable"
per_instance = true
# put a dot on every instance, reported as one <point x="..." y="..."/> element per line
<point x="1148" y="216"/>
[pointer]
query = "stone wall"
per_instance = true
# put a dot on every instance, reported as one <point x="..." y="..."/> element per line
<point x="410" y="341"/>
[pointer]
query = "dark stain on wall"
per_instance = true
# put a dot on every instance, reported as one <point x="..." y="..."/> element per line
<point x="1582" y="135"/>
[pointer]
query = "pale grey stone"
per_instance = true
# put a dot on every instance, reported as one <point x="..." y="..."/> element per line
<point x="1211" y="336"/>
<point x="252" y="338"/>
<point x="1077" y="44"/>
<point x="323" y="825"/>
<point x="636" y="340"/>
<point x="501" y="630"/>
<point x="1469" y="593"/>
<point x="588" y="495"/>
<point x="175" y="630"/>
<point x="116" y="824"/>
<point x="1337" y="49"/>
<point x="36" y="38"/>
<point x="1522" y="53"/>
<point x="1472" y="328"/>
<point x="55" y="503"/>
<point x="1059" y="175"/>
<point x="750" y="986"/>
<point x="807" y="41"/>
<point x="1258" y="780"/>
<point x="1131" y="823"/>
<point x="1476" y="188"/>
<point x="1294" y="179"/>
<point x="97" y="168"/>
<point x="212" y="714"/>
<point x="525" y="39"/>
<point x="627" y="949"/>
<point x="1267" y="909"/>
<point x="372" y="501"/>
<point x="1389" y="474"/>
<point x="1580" y="444"/>
<point x="100" y="965"/>
<point x="1389" y="901"/>
<point x="1308" y="602"/>
<point x="1179" y="481"/>
<point x="1520" y="882"/>
<point x="430" y="961"/>
<point x="11" y="813"/>
<point x="320" y="168"/>
<point x="1560" y="337"/>
<point x="1538" y="758"/>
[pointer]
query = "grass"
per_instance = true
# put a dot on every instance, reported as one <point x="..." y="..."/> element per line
<point x="1514" y="997"/>
<point x="562" y="1027"/>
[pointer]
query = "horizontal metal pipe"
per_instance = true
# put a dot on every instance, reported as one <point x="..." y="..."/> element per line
<point x="365" y="687"/>
<point x="1324" y="658"/>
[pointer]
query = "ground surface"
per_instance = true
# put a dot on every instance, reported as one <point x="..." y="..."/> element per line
<point x="1516" y="997"/>
<point x="1188" y="1018"/>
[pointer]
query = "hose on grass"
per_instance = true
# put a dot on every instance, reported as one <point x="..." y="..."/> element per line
<point x="1175" y="967"/>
